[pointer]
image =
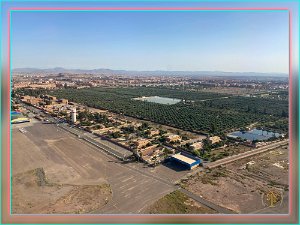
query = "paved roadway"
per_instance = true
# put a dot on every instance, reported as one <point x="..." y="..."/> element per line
<point x="116" y="207"/>
<point x="67" y="159"/>
<point x="133" y="188"/>
<point x="104" y="145"/>
<point x="110" y="148"/>
<point x="133" y="192"/>
<point x="245" y="154"/>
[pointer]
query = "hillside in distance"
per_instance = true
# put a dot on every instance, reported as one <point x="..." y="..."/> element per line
<point x="148" y="73"/>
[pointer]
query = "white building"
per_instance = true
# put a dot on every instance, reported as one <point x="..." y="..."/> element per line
<point x="73" y="115"/>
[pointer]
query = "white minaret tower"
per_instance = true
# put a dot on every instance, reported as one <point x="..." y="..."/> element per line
<point x="73" y="115"/>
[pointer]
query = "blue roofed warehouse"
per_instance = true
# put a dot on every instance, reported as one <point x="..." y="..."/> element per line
<point x="186" y="159"/>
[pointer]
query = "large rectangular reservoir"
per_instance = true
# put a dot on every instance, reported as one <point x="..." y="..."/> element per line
<point x="160" y="100"/>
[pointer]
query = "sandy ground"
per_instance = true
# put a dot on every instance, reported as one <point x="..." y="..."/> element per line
<point x="241" y="187"/>
<point x="54" y="198"/>
<point x="178" y="203"/>
<point x="271" y="166"/>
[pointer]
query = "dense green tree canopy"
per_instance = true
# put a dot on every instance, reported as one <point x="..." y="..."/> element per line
<point x="202" y="111"/>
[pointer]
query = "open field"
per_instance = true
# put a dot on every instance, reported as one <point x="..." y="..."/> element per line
<point x="54" y="198"/>
<point x="201" y="111"/>
<point x="241" y="185"/>
<point x="256" y="151"/>
<point x="271" y="166"/>
<point x="70" y="164"/>
<point x="178" y="203"/>
<point x="222" y="152"/>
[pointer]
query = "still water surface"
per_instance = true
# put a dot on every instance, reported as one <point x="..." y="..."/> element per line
<point x="160" y="100"/>
<point x="254" y="135"/>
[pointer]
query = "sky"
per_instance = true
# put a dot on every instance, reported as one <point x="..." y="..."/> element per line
<point x="233" y="41"/>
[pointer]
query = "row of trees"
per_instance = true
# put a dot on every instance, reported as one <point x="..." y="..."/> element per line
<point x="198" y="117"/>
<point x="262" y="106"/>
<point x="28" y="91"/>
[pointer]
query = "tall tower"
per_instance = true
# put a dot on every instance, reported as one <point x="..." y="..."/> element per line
<point x="73" y="115"/>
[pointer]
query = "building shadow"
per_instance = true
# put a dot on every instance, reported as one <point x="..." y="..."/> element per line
<point x="176" y="166"/>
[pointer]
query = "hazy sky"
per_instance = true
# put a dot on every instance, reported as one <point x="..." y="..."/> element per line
<point x="204" y="40"/>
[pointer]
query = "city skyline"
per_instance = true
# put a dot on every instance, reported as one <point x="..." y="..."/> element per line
<point x="146" y="41"/>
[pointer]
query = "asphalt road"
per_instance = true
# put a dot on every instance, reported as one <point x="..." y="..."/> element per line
<point x="69" y="160"/>
<point x="133" y="188"/>
<point x="110" y="148"/>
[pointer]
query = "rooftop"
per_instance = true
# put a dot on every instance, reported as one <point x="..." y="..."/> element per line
<point x="183" y="158"/>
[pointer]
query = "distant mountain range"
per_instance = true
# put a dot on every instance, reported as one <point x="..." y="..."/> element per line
<point x="57" y="70"/>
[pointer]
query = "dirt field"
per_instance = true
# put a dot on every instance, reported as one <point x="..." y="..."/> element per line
<point x="242" y="185"/>
<point x="178" y="203"/>
<point x="271" y="167"/>
<point x="228" y="151"/>
<point x="55" y="198"/>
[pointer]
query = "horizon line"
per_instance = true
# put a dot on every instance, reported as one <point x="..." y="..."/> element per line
<point x="154" y="70"/>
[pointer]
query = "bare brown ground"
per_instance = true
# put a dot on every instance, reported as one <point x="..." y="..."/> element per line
<point x="32" y="193"/>
<point x="241" y="188"/>
<point x="178" y="203"/>
<point x="71" y="174"/>
<point x="271" y="167"/>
